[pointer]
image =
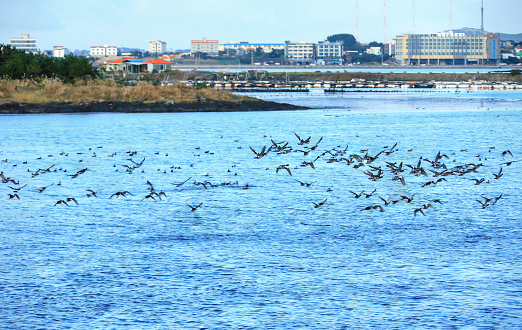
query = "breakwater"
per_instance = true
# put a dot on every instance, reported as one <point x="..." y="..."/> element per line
<point x="303" y="81"/>
<point x="305" y="86"/>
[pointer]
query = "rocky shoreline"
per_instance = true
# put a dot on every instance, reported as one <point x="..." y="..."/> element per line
<point x="8" y="107"/>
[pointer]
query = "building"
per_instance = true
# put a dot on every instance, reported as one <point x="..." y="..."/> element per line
<point x="246" y="46"/>
<point x="60" y="51"/>
<point x="173" y="57"/>
<point x="508" y="44"/>
<point x="447" y="49"/>
<point x="373" y="51"/>
<point x="390" y="48"/>
<point x="299" y="52"/>
<point x="210" y="47"/>
<point x="24" y="43"/>
<point x="329" y="52"/>
<point x="157" y="47"/>
<point x="102" y="51"/>
<point x="118" y="65"/>
<point x="130" y="65"/>
<point x="517" y="51"/>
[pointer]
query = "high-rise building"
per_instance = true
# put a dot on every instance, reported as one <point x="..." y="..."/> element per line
<point x="299" y="52"/>
<point x="447" y="49"/>
<point x="157" y="47"/>
<point x="24" y="43"/>
<point x="330" y="52"/>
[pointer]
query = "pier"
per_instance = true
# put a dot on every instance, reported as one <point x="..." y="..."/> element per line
<point x="344" y="86"/>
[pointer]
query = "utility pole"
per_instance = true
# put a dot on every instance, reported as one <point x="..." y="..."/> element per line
<point x="384" y="42"/>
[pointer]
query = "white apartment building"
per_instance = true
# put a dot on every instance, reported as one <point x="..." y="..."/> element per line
<point x="60" y="51"/>
<point x="102" y="51"/>
<point x="247" y="46"/>
<point x="330" y="52"/>
<point x="157" y="47"/>
<point x="299" y="52"/>
<point x="24" y="43"/>
<point x="447" y="49"/>
<point x="211" y="47"/>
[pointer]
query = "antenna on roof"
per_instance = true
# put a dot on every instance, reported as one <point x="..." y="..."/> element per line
<point x="357" y="20"/>
<point x="413" y="18"/>
<point x="482" y="18"/>
<point x="451" y="15"/>
<point x="384" y="42"/>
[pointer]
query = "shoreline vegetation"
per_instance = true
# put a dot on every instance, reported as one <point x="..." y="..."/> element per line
<point x="52" y="95"/>
<point x="30" y="96"/>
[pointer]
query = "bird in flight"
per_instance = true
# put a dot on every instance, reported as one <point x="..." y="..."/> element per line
<point x="316" y="205"/>
<point x="61" y="202"/>
<point x="497" y="176"/>
<point x="285" y="167"/>
<point x="418" y="210"/>
<point x="120" y="193"/>
<point x="194" y="208"/>
<point x="92" y="193"/>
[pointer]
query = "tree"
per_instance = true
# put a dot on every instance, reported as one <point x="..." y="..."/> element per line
<point x="17" y="64"/>
<point x="375" y="44"/>
<point x="348" y="40"/>
<point x="6" y="51"/>
<point x="259" y="52"/>
<point x="277" y="53"/>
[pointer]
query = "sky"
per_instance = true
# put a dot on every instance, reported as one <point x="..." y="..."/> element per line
<point x="79" y="24"/>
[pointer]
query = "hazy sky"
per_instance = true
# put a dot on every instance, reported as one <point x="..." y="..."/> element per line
<point x="79" y="24"/>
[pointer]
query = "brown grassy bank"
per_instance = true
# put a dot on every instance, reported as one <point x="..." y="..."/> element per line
<point x="53" y="91"/>
<point x="53" y="96"/>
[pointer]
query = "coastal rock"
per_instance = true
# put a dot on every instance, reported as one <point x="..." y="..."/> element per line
<point x="143" y="107"/>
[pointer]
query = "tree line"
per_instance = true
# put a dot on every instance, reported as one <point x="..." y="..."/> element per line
<point x="17" y="64"/>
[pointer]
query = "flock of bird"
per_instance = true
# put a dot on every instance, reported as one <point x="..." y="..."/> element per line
<point x="425" y="173"/>
<point x="434" y="170"/>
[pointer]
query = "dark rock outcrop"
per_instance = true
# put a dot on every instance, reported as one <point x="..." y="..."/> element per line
<point x="142" y="107"/>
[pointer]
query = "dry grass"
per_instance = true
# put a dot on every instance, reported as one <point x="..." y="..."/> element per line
<point x="52" y="91"/>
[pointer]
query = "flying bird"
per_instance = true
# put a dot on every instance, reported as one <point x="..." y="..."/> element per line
<point x="316" y="205"/>
<point x="194" y="208"/>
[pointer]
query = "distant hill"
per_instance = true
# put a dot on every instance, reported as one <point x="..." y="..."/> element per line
<point x="128" y="50"/>
<point x="477" y="32"/>
<point x="514" y="37"/>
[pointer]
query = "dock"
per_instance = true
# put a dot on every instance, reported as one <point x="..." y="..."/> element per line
<point x="344" y="86"/>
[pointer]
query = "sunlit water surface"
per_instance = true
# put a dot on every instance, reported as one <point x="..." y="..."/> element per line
<point x="258" y="253"/>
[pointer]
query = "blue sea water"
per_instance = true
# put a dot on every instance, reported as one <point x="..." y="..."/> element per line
<point x="258" y="253"/>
